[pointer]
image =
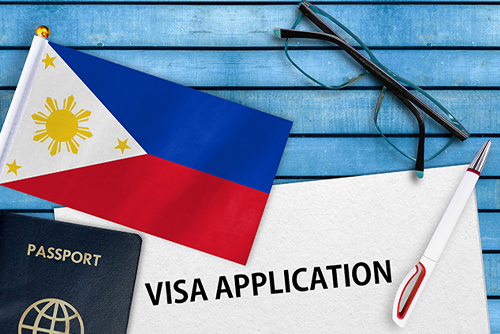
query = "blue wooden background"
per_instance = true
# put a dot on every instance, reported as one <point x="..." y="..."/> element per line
<point x="228" y="49"/>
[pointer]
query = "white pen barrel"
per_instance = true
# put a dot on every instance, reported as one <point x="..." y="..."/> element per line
<point x="450" y="217"/>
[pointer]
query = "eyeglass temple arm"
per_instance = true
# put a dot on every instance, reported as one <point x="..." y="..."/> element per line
<point x="305" y="8"/>
<point x="308" y="12"/>
<point x="391" y="84"/>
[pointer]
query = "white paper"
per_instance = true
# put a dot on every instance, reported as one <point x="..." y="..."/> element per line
<point x="319" y="224"/>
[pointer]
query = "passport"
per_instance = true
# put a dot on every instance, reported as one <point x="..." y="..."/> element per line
<point x="58" y="277"/>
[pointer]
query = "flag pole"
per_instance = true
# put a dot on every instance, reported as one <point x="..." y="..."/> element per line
<point x="22" y="92"/>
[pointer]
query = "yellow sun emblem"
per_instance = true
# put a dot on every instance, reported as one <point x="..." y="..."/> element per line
<point x="61" y="125"/>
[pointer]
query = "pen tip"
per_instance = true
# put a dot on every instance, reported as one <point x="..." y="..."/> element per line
<point x="419" y="173"/>
<point x="277" y="32"/>
<point x="478" y="163"/>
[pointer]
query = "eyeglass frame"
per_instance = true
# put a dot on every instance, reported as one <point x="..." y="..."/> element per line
<point x="388" y="79"/>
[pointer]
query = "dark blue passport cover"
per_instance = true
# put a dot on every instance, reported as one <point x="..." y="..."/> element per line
<point x="81" y="281"/>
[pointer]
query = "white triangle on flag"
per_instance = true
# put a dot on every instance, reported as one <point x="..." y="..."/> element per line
<point x="64" y="126"/>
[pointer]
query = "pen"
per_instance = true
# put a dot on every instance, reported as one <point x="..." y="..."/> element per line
<point x="411" y="288"/>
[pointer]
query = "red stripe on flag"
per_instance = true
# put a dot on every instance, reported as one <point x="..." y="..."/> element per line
<point x="161" y="198"/>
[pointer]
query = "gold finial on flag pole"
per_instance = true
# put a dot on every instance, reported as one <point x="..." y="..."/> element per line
<point x="43" y="31"/>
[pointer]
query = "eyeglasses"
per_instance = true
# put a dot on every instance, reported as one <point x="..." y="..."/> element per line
<point x="389" y="80"/>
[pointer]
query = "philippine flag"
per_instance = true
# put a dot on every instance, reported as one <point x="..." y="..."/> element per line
<point x="140" y="151"/>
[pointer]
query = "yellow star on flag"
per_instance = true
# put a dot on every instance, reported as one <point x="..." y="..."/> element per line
<point x="13" y="167"/>
<point x="49" y="61"/>
<point x="122" y="145"/>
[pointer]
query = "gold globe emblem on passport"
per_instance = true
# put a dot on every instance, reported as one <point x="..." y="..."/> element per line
<point x="51" y="316"/>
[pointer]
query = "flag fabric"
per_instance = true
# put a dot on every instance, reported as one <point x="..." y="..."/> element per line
<point x="141" y="151"/>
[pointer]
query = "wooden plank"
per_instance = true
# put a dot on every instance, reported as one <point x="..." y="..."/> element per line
<point x="5" y="100"/>
<point x="321" y="3"/>
<point x="492" y="274"/>
<point x="351" y="111"/>
<point x="45" y="215"/>
<point x="488" y="193"/>
<point x="358" y="156"/>
<point x="494" y="312"/>
<point x="441" y="68"/>
<point x="490" y="233"/>
<point x="246" y="25"/>
<point x="15" y="200"/>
